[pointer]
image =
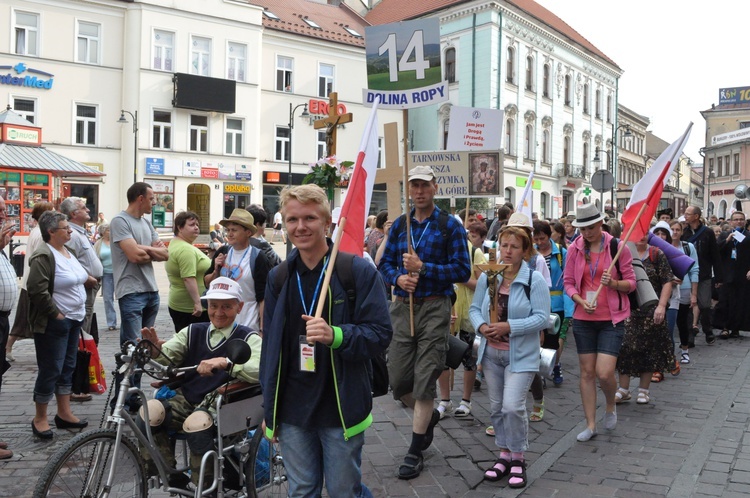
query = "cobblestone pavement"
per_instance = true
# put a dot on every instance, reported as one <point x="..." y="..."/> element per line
<point x="691" y="440"/>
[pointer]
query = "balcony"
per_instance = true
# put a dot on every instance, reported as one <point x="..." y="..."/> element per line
<point x="574" y="171"/>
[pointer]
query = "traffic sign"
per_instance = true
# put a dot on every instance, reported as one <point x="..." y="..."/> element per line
<point x="602" y="180"/>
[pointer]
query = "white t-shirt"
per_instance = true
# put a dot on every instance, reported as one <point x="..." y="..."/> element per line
<point x="277" y="219"/>
<point x="237" y="267"/>
<point x="69" y="294"/>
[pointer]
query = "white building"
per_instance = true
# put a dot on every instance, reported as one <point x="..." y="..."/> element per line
<point x="210" y="82"/>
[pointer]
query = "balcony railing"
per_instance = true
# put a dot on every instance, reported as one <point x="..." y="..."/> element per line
<point x="569" y="170"/>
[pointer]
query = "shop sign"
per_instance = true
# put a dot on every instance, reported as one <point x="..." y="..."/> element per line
<point x="322" y="107"/>
<point x="535" y="184"/>
<point x="191" y="168"/>
<point x="22" y="135"/>
<point x="243" y="176"/>
<point x="726" y="191"/>
<point x="26" y="81"/>
<point x="154" y="166"/>
<point x="237" y="188"/>
<point x="272" y="177"/>
<point x="210" y="173"/>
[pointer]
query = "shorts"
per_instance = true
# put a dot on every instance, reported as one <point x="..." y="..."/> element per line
<point x="277" y="226"/>
<point x="600" y="337"/>
<point x="415" y="363"/>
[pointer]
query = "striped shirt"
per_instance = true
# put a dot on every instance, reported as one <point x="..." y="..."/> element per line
<point x="446" y="260"/>
<point x="8" y="283"/>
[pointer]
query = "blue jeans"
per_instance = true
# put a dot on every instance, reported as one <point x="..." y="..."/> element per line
<point x="137" y="310"/>
<point x="56" y="358"/>
<point x="108" y="293"/>
<point x="671" y="321"/>
<point x="312" y="454"/>
<point x="507" y="392"/>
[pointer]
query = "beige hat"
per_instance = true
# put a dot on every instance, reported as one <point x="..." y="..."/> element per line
<point x="422" y="173"/>
<point x="519" y="220"/>
<point x="242" y="218"/>
<point x="587" y="215"/>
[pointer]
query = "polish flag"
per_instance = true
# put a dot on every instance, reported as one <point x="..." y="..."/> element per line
<point x="358" y="196"/>
<point x="644" y="200"/>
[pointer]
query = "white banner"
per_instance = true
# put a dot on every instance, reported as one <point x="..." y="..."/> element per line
<point x="472" y="128"/>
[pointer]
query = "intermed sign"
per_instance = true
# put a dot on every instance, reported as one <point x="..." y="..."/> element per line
<point x="34" y="78"/>
<point x="403" y="65"/>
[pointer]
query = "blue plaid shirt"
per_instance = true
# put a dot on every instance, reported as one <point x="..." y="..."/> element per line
<point x="446" y="261"/>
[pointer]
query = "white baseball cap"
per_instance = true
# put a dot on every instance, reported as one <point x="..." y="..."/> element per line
<point x="223" y="288"/>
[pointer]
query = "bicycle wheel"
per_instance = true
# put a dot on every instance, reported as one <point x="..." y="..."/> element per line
<point x="82" y="466"/>
<point x="265" y="474"/>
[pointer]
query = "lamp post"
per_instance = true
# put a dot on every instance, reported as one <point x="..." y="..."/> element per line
<point x="612" y="156"/>
<point x="124" y="120"/>
<point x="292" y="109"/>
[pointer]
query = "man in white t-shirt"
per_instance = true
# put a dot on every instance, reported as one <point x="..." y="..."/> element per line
<point x="244" y="263"/>
<point x="277" y="227"/>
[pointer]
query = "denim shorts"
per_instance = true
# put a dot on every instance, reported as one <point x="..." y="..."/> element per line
<point x="598" y="337"/>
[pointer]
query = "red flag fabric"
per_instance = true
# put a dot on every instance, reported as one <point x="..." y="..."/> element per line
<point x="649" y="189"/>
<point x="358" y="196"/>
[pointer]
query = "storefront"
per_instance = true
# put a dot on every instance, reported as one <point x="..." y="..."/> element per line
<point x="29" y="173"/>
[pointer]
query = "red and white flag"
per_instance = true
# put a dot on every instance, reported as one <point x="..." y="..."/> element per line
<point x="649" y="189"/>
<point x="358" y="196"/>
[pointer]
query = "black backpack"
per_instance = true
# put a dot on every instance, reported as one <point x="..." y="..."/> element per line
<point x="343" y="267"/>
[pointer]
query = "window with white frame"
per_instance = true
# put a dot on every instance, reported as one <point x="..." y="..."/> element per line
<point x="26" y="33"/>
<point x="510" y="133"/>
<point x="163" y="50"/>
<point x="530" y="73"/>
<point x="736" y="166"/>
<point x="200" y="56"/>
<point x="25" y="108"/>
<point x="236" y="61"/>
<point x="585" y="154"/>
<point x="234" y="136"/>
<point x="320" y="144"/>
<point x="326" y="73"/>
<point x="162" y="130"/>
<point x="543" y="205"/>
<point x="586" y="98"/>
<point x="547" y="81"/>
<point x="198" y="133"/>
<point x="566" y="152"/>
<point x="510" y="65"/>
<point x="450" y="65"/>
<point x="89" y="41"/>
<point x="85" y="127"/>
<point x="568" y="91"/>
<point x="281" y="149"/>
<point x="598" y="104"/>
<point x="284" y="69"/>
<point x="528" y="142"/>
<point x="609" y="108"/>
<point x="509" y="195"/>
<point x="545" y="146"/>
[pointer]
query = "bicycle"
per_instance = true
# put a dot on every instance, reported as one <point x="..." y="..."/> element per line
<point x="107" y="462"/>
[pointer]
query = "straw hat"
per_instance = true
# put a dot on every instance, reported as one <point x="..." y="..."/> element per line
<point x="243" y="218"/>
<point x="587" y="215"/>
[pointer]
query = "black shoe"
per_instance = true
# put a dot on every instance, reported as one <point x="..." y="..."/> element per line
<point x="64" y="424"/>
<point x="180" y="480"/>
<point x="735" y="334"/>
<point x="710" y="339"/>
<point x="430" y="434"/>
<point x="48" y="434"/>
<point x="411" y="467"/>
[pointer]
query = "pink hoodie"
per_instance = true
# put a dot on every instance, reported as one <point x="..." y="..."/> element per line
<point x="575" y="265"/>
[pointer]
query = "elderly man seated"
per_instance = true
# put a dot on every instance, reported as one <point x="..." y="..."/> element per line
<point x="202" y="344"/>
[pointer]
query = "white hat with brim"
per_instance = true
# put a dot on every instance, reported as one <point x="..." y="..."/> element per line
<point x="587" y="215"/>
<point x="223" y="288"/>
<point x="422" y="173"/>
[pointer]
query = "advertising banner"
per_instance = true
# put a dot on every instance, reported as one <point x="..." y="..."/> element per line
<point x="403" y="65"/>
<point x="461" y="173"/>
<point x="734" y="95"/>
<point x="472" y="128"/>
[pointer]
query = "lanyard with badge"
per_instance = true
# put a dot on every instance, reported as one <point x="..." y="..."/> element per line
<point x="306" y="350"/>
<point x="592" y="272"/>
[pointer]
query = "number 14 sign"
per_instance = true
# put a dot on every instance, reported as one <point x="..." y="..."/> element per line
<point x="403" y="65"/>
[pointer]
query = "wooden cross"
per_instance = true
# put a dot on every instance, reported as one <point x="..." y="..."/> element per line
<point x="332" y="122"/>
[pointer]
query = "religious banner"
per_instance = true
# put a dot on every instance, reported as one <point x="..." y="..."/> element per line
<point x="403" y="65"/>
<point x="472" y="128"/>
<point x="461" y="173"/>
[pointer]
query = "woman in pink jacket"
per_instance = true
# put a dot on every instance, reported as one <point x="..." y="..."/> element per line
<point x="598" y="326"/>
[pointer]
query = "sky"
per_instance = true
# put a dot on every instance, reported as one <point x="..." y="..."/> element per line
<point x="675" y="55"/>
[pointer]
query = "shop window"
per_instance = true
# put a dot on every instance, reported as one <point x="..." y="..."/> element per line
<point x="234" y="136"/>
<point x="21" y="192"/>
<point x="88" y="42"/>
<point x="162" y="130"/>
<point x="200" y="56"/>
<point x="164" y="197"/>
<point x="198" y="133"/>
<point x="26" y="28"/>
<point x="325" y="79"/>
<point x="236" y="61"/>
<point x="284" y="68"/>
<point x="163" y="50"/>
<point x="85" y="126"/>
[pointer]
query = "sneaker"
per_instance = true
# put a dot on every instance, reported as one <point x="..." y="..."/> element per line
<point x="444" y="408"/>
<point x="557" y="377"/>
<point x="685" y="357"/>
<point x="490" y="431"/>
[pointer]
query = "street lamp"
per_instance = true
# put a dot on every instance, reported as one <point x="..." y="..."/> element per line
<point x="612" y="156"/>
<point x="292" y="109"/>
<point x="124" y="120"/>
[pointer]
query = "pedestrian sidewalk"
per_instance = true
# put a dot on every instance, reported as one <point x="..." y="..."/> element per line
<point x="691" y="440"/>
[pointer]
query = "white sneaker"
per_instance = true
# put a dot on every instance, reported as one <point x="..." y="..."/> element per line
<point x="445" y="407"/>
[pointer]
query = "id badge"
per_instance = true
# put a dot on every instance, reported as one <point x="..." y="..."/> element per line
<point x="590" y="297"/>
<point x="734" y="253"/>
<point x="306" y="355"/>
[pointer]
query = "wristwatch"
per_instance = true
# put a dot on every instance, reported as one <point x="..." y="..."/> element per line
<point x="423" y="270"/>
